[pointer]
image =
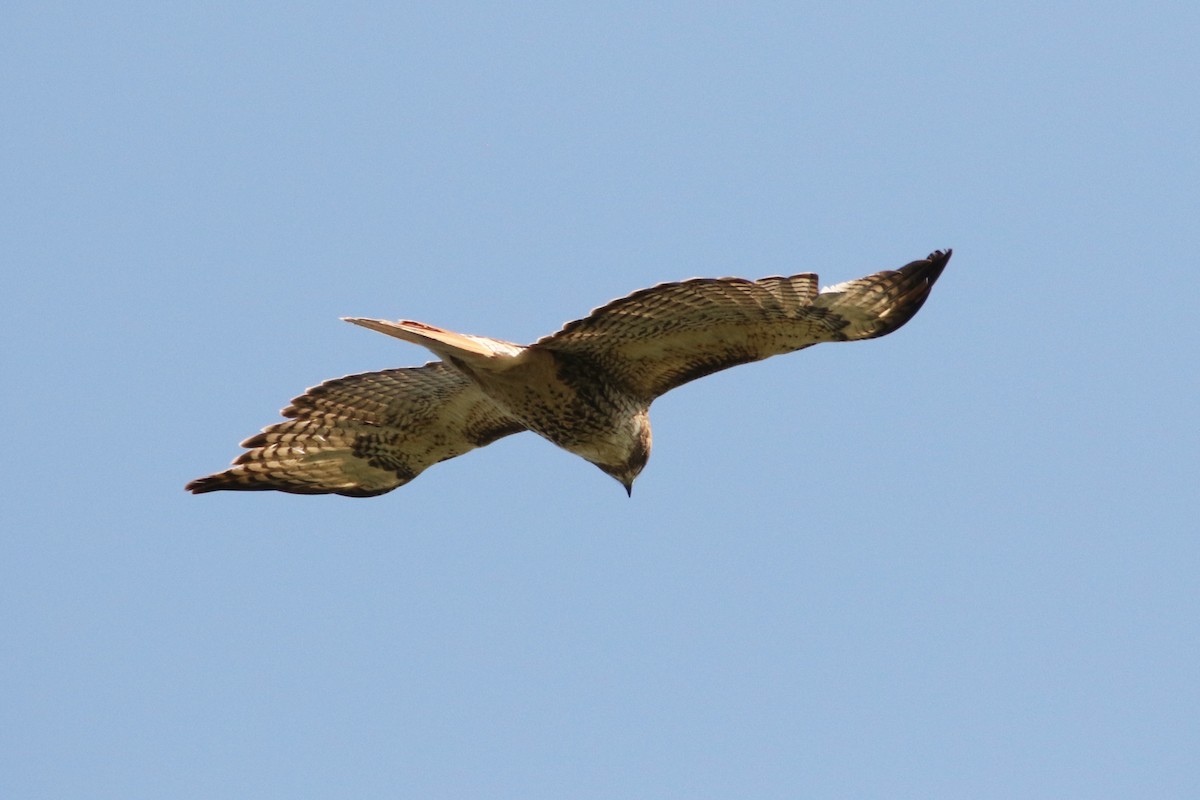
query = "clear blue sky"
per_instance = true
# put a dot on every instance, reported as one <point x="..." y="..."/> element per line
<point x="960" y="561"/>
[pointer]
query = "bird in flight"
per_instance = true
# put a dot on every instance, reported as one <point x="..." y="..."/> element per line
<point x="587" y="388"/>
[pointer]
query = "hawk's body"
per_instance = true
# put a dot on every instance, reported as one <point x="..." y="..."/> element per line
<point x="587" y="388"/>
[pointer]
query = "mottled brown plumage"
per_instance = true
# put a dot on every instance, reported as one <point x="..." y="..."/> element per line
<point x="587" y="388"/>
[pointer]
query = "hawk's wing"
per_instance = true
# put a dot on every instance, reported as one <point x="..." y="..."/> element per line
<point x="662" y="337"/>
<point x="366" y="434"/>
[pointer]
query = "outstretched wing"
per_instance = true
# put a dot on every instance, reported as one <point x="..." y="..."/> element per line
<point x="662" y="337"/>
<point x="366" y="434"/>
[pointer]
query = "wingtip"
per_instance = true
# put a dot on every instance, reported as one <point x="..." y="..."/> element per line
<point x="938" y="260"/>
<point x="929" y="269"/>
<point x="201" y="485"/>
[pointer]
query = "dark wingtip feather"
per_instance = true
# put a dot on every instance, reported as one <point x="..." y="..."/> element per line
<point x="936" y="262"/>
<point x="914" y="289"/>
<point x="223" y="482"/>
<point x="203" y="485"/>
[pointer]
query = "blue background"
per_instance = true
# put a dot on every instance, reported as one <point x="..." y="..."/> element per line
<point x="960" y="561"/>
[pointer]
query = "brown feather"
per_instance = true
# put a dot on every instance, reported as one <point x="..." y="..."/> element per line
<point x="366" y="434"/>
<point x="659" y="338"/>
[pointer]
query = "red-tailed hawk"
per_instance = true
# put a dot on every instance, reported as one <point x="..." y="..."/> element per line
<point x="587" y="388"/>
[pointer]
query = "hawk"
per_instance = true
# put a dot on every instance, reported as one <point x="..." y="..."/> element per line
<point x="587" y="388"/>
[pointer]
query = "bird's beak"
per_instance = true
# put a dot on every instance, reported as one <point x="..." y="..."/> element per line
<point x="628" y="488"/>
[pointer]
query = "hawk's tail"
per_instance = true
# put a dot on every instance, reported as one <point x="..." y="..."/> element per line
<point x="879" y="304"/>
<point x="442" y="342"/>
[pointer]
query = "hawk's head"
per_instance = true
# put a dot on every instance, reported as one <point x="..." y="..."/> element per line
<point x="626" y="458"/>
